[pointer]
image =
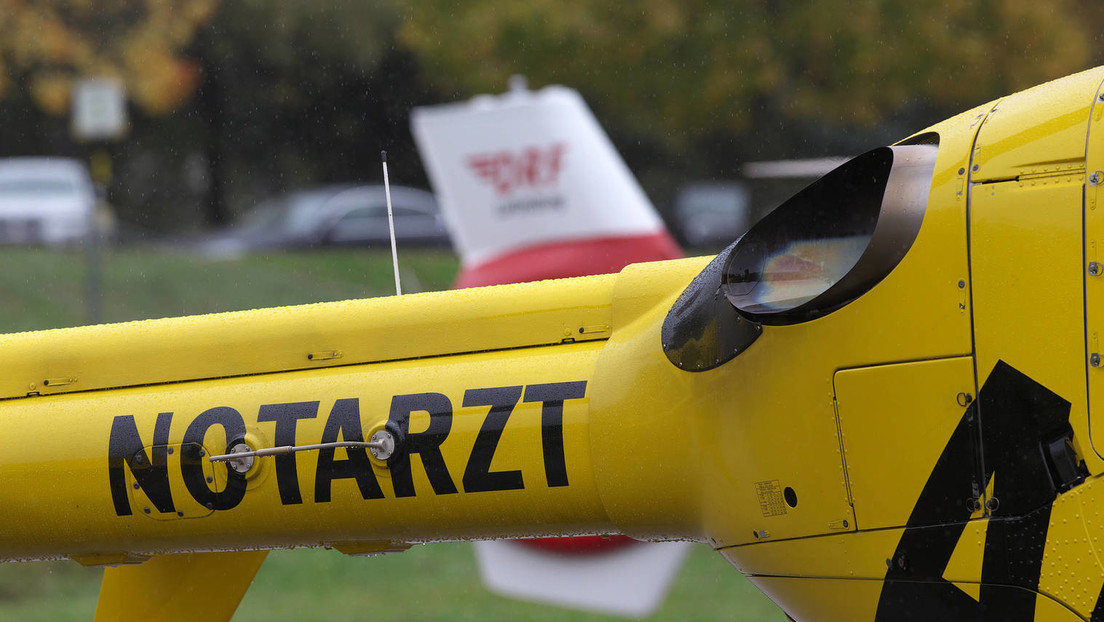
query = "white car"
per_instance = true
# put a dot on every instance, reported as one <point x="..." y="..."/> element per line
<point x="45" y="200"/>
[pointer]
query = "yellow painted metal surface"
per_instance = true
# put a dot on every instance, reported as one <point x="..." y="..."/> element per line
<point x="858" y="555"/>
<point x="86" y="499"/>
<point x="1072" y="572"/>
<point x="895" y="421"/>
<point x="837" y="600"/>
<point x="1026" y="261"/>
<point x="1094" y="267"/>
<point x="823" y="599"/>
<point x="283" y="339"/>
<point x="1039" y="132"/>
<point x="186" y="587"/>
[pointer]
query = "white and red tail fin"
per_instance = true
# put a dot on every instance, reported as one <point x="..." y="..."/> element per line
<point x="532" y="188"/>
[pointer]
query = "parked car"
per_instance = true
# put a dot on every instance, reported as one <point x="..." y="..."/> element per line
<point x="335" y="216"/>
<point x="45" y="200"/>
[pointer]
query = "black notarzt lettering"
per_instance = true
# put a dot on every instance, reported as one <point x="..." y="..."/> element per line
<point x="553" y="396"/>
<point x="147" y="461"/>
<point x="478" y="476"/>
<point x="287" y="416"/>
<point x="191" y="464"/>
<point x="344" y="424"/>
<point x="426" y="444"/>
<point x="151" y="472"/>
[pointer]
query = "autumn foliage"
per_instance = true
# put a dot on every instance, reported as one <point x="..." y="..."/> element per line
<point x="51" y="43"/>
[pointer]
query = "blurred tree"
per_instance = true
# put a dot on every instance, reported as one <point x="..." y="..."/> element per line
<point x="691" y="89"/>
<point x="684" y="69"/>
<point x="299" y="92"/>
<point x="53" y="43"/>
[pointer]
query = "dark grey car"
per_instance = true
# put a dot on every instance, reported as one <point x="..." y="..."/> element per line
<point x="335" y="216"/>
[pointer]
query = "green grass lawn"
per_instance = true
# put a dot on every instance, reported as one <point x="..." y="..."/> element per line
<point x="47" y="289"/>
<point x="433" y="582"/>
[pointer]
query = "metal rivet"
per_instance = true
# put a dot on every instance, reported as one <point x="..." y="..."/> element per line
<point x="170" y="451"/>
<point x="1094" y="359"/>
<point x="137" y="485"/>
<point x="961" y="170"/>
<point x="1095" y="178"/>
<point x="1095" y="268"/>
<point x="210" y="479"/>
<point x="974" y="167"/>
<point x="845" y="523"/>
<point x="961" y="284"/>
<point x="146" y="510"/>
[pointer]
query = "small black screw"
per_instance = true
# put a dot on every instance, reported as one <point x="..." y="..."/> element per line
<point x="974" y="167"/>
<point x="136" y="486"/>
<point x="209" y="505"/>
<point x="961" y="171"/>
<point x="962" y="284"/>
<point x="146" y="510"/>
<point x="170" y="451"/>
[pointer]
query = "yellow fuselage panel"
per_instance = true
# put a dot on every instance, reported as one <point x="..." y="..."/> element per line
<point x="955" y="463"/>
<point x="484" y="433"/>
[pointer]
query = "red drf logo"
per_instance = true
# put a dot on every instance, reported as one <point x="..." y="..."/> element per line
<point x="531" y="167"/>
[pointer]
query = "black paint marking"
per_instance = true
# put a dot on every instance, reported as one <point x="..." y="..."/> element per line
<point x="478" y="476"/>
<point x="553" y="396"/>
<point x="192" y="462"/>
<point x="1015" y="419"/>
<point x="344" y="424"/>
<point x="426" y="444"/>
<point x="125" y="446"/>
<point x="287" y="416"/>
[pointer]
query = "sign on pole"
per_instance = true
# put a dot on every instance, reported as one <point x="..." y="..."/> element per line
<point x="99" y="109"/>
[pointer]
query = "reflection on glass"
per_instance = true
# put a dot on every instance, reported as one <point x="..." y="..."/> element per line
<point x="798" y="272"/>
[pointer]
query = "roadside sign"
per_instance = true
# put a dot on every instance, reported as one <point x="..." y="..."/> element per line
<point x="99" y="109"/>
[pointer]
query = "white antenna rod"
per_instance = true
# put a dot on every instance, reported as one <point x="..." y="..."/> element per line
<point x="391" y="225"/>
